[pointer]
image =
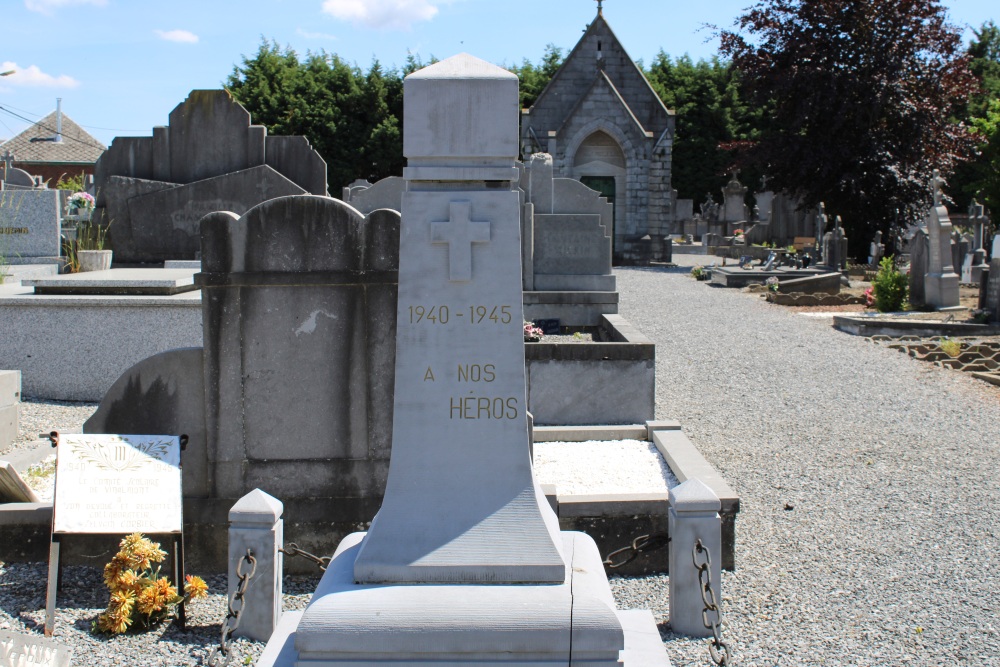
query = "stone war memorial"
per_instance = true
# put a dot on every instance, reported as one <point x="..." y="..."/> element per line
<point x="464" y="562"/>
<point x="153" y="191"/>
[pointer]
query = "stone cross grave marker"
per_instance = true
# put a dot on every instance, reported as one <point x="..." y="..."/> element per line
<point x="941" y="281"/>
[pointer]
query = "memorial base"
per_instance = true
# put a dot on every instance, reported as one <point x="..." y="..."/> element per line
<point x="348" y="624"/>
<point x="941" y="291"/>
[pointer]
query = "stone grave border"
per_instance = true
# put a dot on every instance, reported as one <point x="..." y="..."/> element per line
<point x="612" y="520"/>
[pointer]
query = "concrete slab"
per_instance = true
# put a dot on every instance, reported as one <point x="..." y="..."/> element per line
<point x="117" y="281"/>
<point x="18" y="272"/>
<point x="726" y="276"/>
<point x="909" y="324"/>
<point x="643" y="646"/>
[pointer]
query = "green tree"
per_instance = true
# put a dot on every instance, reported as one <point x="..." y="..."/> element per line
<point x="353" y="119"/>
<point x="977" y="178"/>
<point x="533" y="78"/>
<point x="710" y="118"/>
<point x="861" y="97"/>
<point x="986" y="168"/>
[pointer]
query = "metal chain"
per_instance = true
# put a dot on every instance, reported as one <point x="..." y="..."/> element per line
<point x="639" y="545"/>
<point x="711" y="615"/>
<point x="293" y="550"/>
<point x="235" y="612"/>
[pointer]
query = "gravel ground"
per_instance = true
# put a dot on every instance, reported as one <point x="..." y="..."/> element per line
<point x="888" y="554"/>
<point x="868" y="482"/>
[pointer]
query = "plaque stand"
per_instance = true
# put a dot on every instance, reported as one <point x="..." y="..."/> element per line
<point x="177" y="554"/>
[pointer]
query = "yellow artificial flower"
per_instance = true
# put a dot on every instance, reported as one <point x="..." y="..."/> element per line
<point x="195" y="587"/>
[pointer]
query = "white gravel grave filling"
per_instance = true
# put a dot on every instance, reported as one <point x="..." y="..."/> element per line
<point x="603" y="467"/>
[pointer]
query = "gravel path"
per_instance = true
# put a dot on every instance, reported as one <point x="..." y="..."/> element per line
<point x="889" y="552"/>
<point x="868" y="481"/>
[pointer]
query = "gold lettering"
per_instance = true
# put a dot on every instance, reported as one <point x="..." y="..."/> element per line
<point x="477" y="373"/>
<point x="483" y="407"/>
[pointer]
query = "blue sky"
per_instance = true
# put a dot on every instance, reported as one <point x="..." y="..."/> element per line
<point x="120" y="66"/>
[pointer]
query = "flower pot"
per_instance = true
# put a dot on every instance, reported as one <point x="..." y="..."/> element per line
<point x="94" y="260"/>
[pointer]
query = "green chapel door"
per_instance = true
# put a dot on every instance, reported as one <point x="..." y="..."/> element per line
<point x="606" y="186"/>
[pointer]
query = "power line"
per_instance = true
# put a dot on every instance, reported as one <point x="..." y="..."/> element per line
<point x="51" y="129"/>
<point x="89" y="127"/>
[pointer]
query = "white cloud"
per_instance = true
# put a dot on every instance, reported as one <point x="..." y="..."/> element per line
<point x="47" y="7"/>
<point x="32" y="76"/>
<point x="183" y="36"/>
<point x="385" y="14"/>
<point x="315" y="35"/>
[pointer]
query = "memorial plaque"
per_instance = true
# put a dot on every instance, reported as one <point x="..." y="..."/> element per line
<point x="27" y="651"/>
<point x="118" y="484"/>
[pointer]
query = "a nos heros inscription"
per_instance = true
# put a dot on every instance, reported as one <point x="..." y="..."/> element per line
<point x="476" y="404"/>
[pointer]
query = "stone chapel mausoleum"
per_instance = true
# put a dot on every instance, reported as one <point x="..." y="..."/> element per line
<point x="605" y="126"/>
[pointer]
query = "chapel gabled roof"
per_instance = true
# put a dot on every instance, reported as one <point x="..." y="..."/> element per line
<point x="77" y="145"/>
<point x="598" y="24"/>
<point x="604" y="81"/>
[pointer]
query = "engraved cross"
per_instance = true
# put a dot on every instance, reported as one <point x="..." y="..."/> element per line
<point x="460" y="232"/>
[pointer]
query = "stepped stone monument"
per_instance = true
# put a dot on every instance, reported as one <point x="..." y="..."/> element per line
<point x="464" y="563"/>
<point x="940" y="281"/>
<point x="153" y="191"/>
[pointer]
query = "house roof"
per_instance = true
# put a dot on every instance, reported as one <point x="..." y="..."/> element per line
<point x="77" y="145"/>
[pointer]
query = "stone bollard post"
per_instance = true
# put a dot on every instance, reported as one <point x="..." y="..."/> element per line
<point x="694" y="515"/>
<point x="255" y="523"/>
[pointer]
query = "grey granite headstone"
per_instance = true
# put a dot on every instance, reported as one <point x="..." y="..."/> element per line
<point x="29" y="225"/>
<point x="387" y="193"/>
<point x="733" y="201"/>
<point x="992" y="302"/>
<point x="214" y="158"/>
<point x="180" y="208"/>
<point x="919" y="250"/>
<point x="571" y="252"/>
<point x="940" y="281"/>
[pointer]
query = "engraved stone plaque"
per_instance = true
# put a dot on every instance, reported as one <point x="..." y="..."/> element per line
<point x="117" y="484"/>
<point x="27" y="651"/>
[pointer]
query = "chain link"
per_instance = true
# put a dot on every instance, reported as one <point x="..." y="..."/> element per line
<point x="236" y="606"/>
<point x="639" y="545"/>
<point x="711" y="616"/>
<point x="293" y="550"/>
